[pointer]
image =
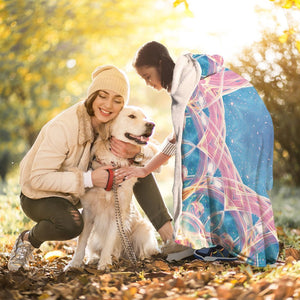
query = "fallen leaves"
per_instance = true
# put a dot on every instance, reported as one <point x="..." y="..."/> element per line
<point x="50" y="256"/>
<point x="153" y="278"/>
<point x="294" y="253"/>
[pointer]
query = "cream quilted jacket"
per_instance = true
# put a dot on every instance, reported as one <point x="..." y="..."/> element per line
<point x="55" y="164"/>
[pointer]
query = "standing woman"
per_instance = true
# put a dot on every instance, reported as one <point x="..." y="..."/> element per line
<point x="223" y="141"/>
<point x="55" y="172"/>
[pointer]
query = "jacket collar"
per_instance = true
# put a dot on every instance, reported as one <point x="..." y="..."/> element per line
<point x="86" y="133"/>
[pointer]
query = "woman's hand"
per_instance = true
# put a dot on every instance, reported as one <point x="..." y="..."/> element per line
<point x="130" y="172"/>
<point x="123" y="149"/>
<point x="100" y="177"/>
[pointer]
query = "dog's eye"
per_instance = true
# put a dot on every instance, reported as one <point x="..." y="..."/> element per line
<point x="132" y="116"/>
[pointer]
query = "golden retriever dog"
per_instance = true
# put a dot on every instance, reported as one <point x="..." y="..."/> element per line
<point x="100" y="239"/>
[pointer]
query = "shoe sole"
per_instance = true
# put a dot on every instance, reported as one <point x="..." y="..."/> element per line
<point x="213" y="258"/>
<point x="180" y="255"/>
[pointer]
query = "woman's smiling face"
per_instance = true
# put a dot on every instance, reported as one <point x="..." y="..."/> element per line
<point x="106" y="106"/>
<point x="151" y="76"/>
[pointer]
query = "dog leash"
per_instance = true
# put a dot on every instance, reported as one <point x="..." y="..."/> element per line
<point x="124" y="238"/>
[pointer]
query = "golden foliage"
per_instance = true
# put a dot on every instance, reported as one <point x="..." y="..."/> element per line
<point x="50" y="48"/>
<point x="291" y="33"/>
<point x="287" y="3"/>
<point x="188" y="12"/>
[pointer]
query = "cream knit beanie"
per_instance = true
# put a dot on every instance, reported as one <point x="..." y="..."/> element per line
<point x="109" y="77"/>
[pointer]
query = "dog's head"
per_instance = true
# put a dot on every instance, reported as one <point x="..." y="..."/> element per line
<point x="132" y="126"/>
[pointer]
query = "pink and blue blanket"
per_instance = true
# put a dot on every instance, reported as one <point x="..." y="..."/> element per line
<point x="225" y="158"/>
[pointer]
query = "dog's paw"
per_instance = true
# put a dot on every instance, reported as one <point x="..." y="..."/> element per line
<point x="148" y="252"/>
<point x="72" y="265"/>
<point x="92" y="261"/>
<point x="105" y="268"/>
<point x="103" y="264"/>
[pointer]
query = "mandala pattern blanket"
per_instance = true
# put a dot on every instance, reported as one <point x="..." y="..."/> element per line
<point x="223" y="161"/>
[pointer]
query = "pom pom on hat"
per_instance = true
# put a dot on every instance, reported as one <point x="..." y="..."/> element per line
<point x="109" y="77"/>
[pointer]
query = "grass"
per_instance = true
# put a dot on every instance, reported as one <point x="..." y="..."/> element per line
<point x="286" y="206"/>
<point x="12" y="218"/>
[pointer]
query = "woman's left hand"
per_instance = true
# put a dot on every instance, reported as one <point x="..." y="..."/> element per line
<point x="123" y="149"/>
<point x="130" y="172"/>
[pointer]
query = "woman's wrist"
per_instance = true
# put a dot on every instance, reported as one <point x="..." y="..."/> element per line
<point x="100" y="177"/>
<point x="87" y="179"/>
<point x="146" y="170"/>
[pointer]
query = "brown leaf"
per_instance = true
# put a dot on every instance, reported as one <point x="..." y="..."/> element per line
<point x="195" y="264"/>
<point x="292" y="252"/>
<point x="183" y="298"/>
<point x="280" y="231"/>
<point x="157" y="274"/>
<point x="290" y="260"/>
<point x="109" y="289"/>
<point x="178" y="283"/>
<point x="207" y="292"/>
<point x="225" y="292"/>
<point x="206" y="277"/>
<point x="161" y="265"/>
<point x="159" y="294"/>
<point x="241" y="278"/>
<point x="285" y="289"/>
<point x="130" y="293"/>
<point x="260" y="285"/>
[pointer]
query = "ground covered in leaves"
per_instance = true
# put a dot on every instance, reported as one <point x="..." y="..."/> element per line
<point x="154" y="278"/>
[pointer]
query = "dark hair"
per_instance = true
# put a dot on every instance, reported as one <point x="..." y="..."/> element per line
<point x="156" y="55"/>
<point x="88" y="103"/>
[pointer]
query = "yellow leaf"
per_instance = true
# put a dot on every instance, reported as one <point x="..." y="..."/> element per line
<point x="50" y="256"/>
<point x="130" y="293"/>
<point x="177" y="2"/>
<point x="189" y="13"/>
<point x="291" y="31"/>
<point x="288" y="4"/>
<point x="282" y="39"/>
<point x="298" y="46"/>
<point x="44" y="296"/>
<point x="297" y="3"/>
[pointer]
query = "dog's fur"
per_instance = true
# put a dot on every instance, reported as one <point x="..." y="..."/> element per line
<point x="100" y="236"/>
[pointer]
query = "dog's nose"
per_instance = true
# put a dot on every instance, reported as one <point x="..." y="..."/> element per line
<point x="150" y="125"/>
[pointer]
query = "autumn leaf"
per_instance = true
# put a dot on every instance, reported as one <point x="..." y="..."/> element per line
<point x="187" y="11"/>
<point x="161" y="265"/>
<point x="178" y="2"/>
<point x="283" y="38"/>
<point x="297" y="3"/>
<point x="152" y="278"/>
<point x="50" y="256"/>
<point x="292" y="252"/>
<point x="298" y="46"/>
<point x="288" y="4"/>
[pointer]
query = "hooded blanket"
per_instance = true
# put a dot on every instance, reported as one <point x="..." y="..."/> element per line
<point x="223" y="162"/>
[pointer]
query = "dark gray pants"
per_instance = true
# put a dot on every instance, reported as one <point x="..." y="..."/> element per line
<point x="58" y="219"/>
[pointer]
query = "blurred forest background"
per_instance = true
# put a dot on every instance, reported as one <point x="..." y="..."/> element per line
<point x="49" y="49"/>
